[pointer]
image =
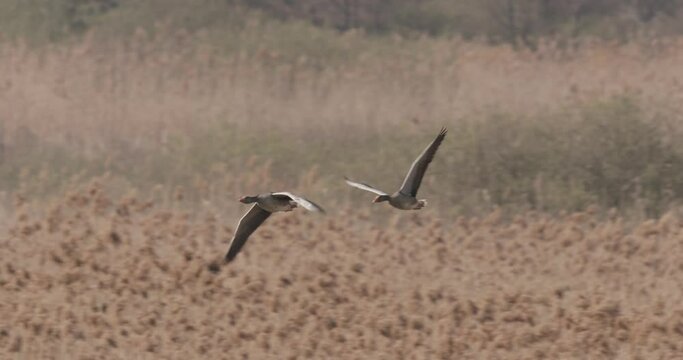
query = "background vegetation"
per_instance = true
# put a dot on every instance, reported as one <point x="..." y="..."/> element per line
<point x="128" y="129"/>
<point x="516" y="22"/>
<point x="89" y="274"/>
<point x="208" y="95"/>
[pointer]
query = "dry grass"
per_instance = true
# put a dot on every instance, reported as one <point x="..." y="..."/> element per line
<point x="148" y="90"/>
<point x="117" y="274"/>
<point x="171" y="110"/>
<point x="93" y="277"/>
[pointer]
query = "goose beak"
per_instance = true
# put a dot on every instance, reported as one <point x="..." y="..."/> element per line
<point x="243" y="199"/>
<point x="376" y="200"/>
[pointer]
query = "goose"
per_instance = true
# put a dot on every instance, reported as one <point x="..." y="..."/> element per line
<point x="404" y="198"/>
<point x="264" y="205"/>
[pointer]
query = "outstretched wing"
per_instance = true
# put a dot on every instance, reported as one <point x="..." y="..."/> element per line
<point x="304" y="203"/>
<point x="247" y="225"/>
<point x="365" y="187"/>
<point x="417" y="171"/>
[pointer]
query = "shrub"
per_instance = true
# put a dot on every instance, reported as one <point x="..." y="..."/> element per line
<point x="607" y="153"/>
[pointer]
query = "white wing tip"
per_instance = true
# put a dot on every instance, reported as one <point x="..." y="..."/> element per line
<point x="350" y="182"/>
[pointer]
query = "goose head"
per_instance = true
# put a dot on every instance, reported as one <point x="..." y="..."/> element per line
<point x="381" y="198"/>
<point x="248" y="199"/>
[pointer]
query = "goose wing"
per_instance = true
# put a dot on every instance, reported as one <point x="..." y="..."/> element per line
<point x="365" y="187"/>
<point x="417" y="171"/>
<point x="247" y="225"/>
<point x="305" y="203"/>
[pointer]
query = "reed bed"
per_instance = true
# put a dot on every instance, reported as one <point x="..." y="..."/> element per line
<point x="566" y="162"/>
<point x="148" y="89"/>
<point x="93" y="276"/>
<point x="168" y="108"/>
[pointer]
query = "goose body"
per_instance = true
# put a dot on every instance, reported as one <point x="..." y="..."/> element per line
<point x="264" y="206"/>
<point x="272" y="203"/>
<point x="405" y="198"/>
<point x="406" y="202"/>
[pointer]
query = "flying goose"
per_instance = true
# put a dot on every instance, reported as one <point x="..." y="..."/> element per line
<point x="404" y="198"/>
<point x="265" y="204"/>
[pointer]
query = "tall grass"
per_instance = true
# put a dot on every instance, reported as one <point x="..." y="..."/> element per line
<point x="550" y="130"/>
<point x="90" y="274"/>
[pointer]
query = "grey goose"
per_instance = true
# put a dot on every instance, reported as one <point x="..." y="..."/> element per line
<point x="264" y="205"/>
<point x="404" y="198"/>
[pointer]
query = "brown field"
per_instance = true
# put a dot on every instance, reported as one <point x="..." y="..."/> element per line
<point x="147" y="90"/>
<point x="125" y="268"/>
<point x="89" y="277"/>
<point x="169" y="109"/>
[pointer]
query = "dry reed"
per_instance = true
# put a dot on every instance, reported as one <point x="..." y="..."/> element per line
<point x="172" y="110"/>
<point x="91" y="276"/>
<point x="146" y="91"/>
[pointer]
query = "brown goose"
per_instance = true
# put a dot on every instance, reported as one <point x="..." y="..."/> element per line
<point x="404" y="198"/>
<point x="265" y="204"/>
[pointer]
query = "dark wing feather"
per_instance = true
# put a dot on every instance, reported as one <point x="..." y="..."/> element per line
<point x="303" y="202"/>
<point x="417" y="171"/>
<point x="247" y="225"/>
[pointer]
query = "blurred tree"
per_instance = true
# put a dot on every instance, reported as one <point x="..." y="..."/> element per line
<point x="79" y="13"/>
<point x="340" y="14"/>
<point x="518" y="22"/>
<point x="648" y="9"/>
